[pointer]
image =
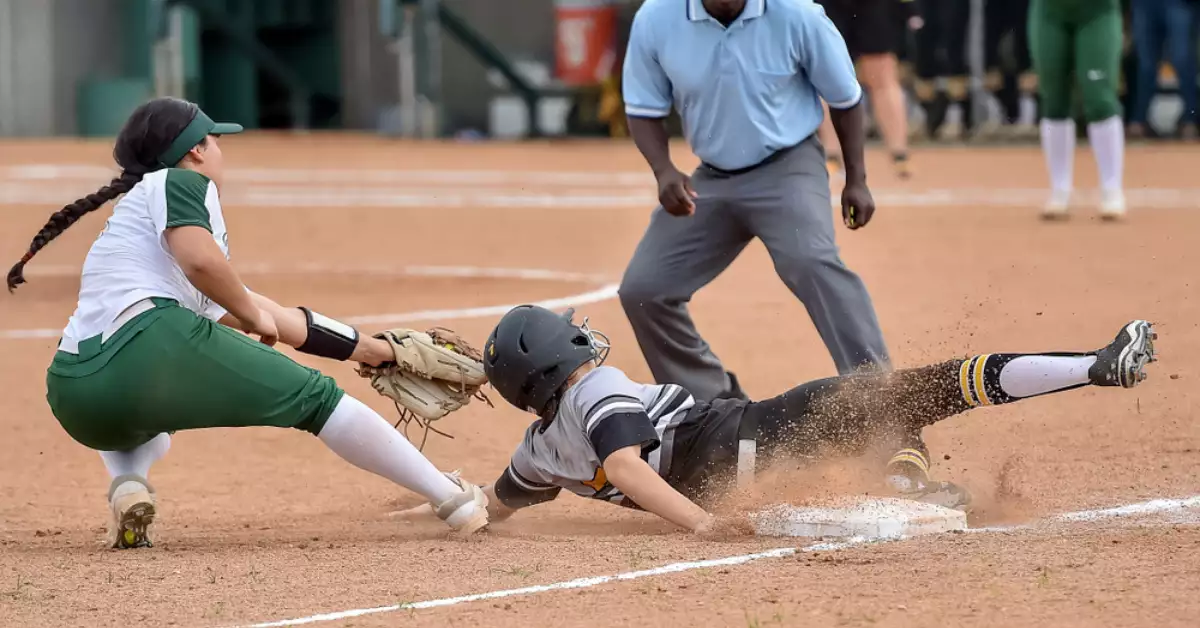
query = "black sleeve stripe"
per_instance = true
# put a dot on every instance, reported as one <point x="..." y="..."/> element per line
<point x="525" y="482"/>
<point x="612" y="404"/>
<point x="658" y="399"/>
<point x="514" y="496"/>
<point x="621" y="430"/>
<point x="679" y="398"/>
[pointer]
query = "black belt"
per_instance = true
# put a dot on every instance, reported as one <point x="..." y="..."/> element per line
<point x="769" y="159"/>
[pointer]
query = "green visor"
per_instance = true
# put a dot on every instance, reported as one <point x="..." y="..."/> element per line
<point x="199" y="128"/>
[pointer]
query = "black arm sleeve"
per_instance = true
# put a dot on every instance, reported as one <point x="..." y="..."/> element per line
<point x="517" y="492"/>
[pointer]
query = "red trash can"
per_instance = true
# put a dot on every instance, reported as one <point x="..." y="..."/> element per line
<point x="585" y="46"/>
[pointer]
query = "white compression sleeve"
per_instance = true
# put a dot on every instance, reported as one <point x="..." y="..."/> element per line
<point x="364" y="439"/>
<point x="1058" y="146"/>
<point x="1031" y="375"/>
<point x="136" y="461"/>
<point x="1107" y="138"/>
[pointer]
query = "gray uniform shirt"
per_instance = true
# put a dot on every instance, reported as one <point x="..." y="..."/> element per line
<point x="603" y="412"/>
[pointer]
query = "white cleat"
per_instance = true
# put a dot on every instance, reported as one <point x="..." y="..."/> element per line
<point x="466" y="512"/>
<point x="131" y="505"/>
<point x="1112" y="204"/>
<point x="1057" y="205"/>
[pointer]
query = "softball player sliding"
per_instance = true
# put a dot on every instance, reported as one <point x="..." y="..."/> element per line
<point x="1078" y="42"/>
<point x="149" y="349"/>
<point x="657" y="448"/>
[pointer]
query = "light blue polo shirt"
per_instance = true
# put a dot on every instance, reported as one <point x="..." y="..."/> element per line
<point x="742" y="92"/>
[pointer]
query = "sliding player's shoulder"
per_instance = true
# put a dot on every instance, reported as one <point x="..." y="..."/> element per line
<point x="608" y="377"/>
<point x="602" y="385"/>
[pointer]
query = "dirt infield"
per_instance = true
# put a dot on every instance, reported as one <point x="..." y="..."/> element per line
<point x="261" y="525"/>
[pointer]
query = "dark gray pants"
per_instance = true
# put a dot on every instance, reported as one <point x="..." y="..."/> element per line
<point x="785" y="203"/>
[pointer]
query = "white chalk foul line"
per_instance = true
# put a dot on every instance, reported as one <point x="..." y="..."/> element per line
<point x="1141" y="508"/>
<point x="603" y="293"/>
<point x="579" y="583"/>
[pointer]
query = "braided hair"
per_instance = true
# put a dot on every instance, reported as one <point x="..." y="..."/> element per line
<point x="147" y="133"/>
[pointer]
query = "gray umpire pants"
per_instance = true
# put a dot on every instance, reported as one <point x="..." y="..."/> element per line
<point x="785" y="203"/>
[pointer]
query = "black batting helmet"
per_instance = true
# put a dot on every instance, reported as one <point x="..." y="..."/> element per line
<point x="532" y="351"/>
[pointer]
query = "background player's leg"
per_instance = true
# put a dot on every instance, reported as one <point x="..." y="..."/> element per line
<point x="1148" y="32"/>
<point x="1098" y="67"/>
<point x="1182" y="44"/>
<point x="877" y="34"/>
<point x="958" y="75"/>
<point x="928" y="67"/>
<point x="1027" y="79"/>
<point x="997" y="79"/>
<point x="1051" y="50"/>
<point x="675" y="258"/>
<point x="786" y="205"/>
<point x="880" y="74"/>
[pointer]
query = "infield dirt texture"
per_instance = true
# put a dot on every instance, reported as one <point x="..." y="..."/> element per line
<point x="262" y="525"/>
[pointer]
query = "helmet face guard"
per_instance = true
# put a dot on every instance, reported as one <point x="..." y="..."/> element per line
<point x="533" y="351"/>
<point x="599" y="341"/>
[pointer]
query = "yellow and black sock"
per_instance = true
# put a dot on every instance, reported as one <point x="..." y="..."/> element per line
<point x="998" y="378"/>
<point x="911" y="463"/>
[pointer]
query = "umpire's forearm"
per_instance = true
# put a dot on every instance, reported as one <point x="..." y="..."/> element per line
<point x="850" y="126"/>
<point x="651" y="138"/>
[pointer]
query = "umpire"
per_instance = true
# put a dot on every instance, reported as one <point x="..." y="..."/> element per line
<point x="747" y="78"/>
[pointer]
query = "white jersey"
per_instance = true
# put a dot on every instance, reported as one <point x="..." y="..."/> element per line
<point x="130" y="261"/>
<point x="603" y="412"/>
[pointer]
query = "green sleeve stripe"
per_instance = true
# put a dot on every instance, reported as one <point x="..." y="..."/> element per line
<point x="185" y="191"/>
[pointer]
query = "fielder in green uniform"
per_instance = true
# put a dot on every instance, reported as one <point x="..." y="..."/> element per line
<point x="152" y="348"/>
<point x="1078" y="43"/>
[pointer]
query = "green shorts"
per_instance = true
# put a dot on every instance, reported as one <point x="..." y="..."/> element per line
<point x="169" y="369"/>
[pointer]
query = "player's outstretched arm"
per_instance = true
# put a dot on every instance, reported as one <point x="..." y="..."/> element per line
<point x="294" y="329"/>
<point x="631" y="475"/>
<point x="497" y="510"/>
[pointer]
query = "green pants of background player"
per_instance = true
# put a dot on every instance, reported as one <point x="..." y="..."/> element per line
<point x="1076" y="41"/>
<point x="168" y="370"/>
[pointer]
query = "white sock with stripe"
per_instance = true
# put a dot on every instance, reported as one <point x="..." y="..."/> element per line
<point x="364" y="439"/>
<point x="1058" y="146"/>
<point x="136" y="461"/>
<point x="1107" y="138"/>
<point x="1032" y="375"/>
<point x="997" y="378"/>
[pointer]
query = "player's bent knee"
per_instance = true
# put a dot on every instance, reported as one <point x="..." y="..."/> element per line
<point x="635" y="294"/>
<point x="1100" y="109"/>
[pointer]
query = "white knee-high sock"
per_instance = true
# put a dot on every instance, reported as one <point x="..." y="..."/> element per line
<point x="1058" y="146"/>
<point x="364" y="439"/>
<point x="1107" y="138"/>
<point x="1031" y="375"/>
<point x="136" y="461"/>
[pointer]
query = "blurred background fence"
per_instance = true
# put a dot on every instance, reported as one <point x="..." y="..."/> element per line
<point x="418" y="68"/>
